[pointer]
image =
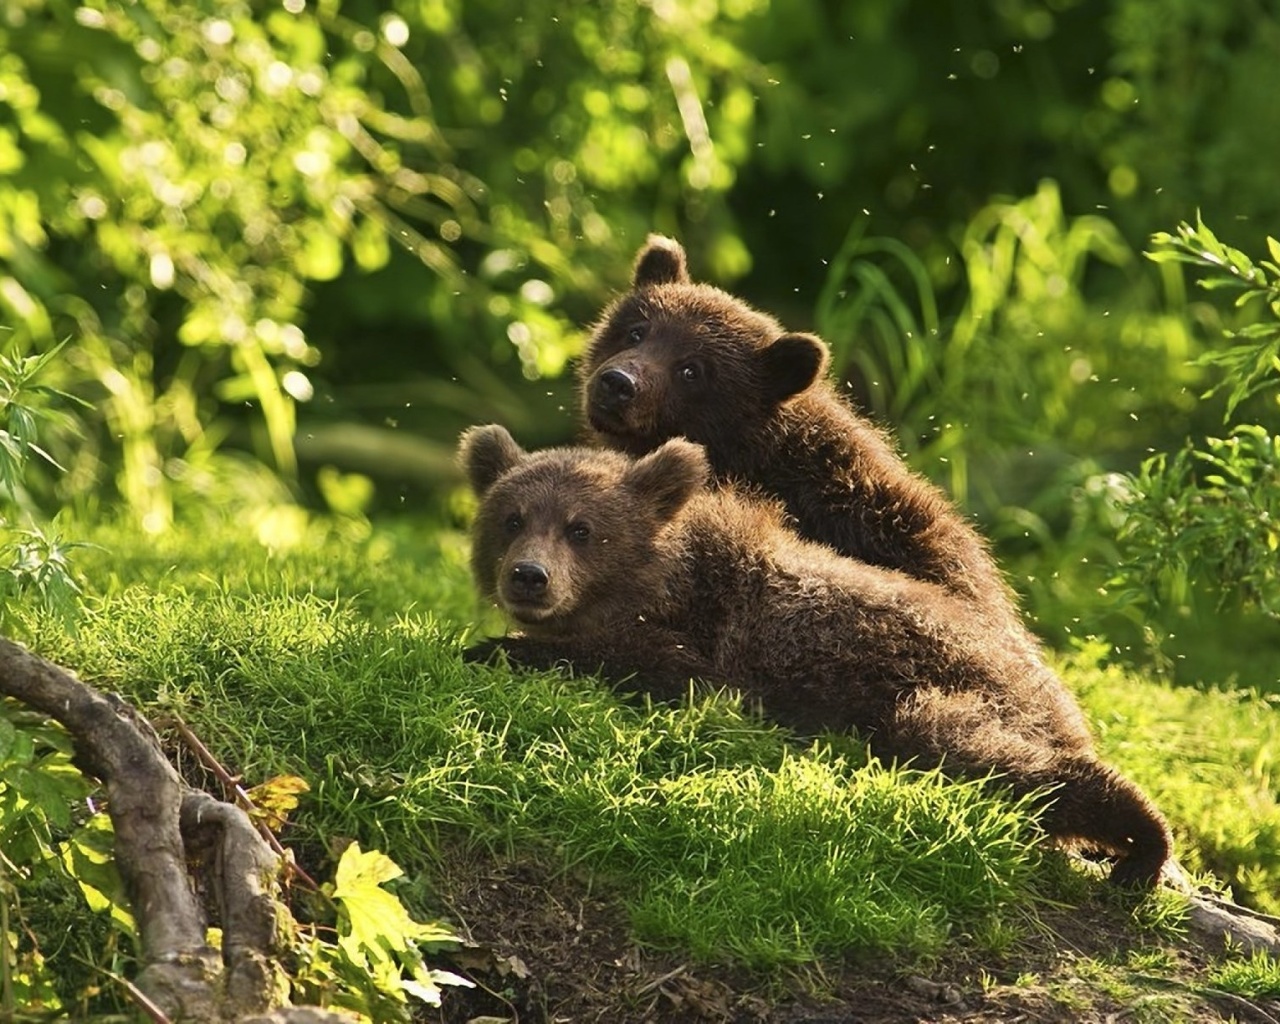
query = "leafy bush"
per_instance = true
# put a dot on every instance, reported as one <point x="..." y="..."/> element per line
<point x="179" y="178"/>
<point x="1209" y="517"/>
<point x="32" y="560"/>
<point x="1025" y="401"/>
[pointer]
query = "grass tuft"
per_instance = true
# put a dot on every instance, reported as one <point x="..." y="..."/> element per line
<point x="1254" y="977"/>
<point x="1207" y="757"/>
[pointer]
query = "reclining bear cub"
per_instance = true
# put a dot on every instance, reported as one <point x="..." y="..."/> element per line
<point x="637" y="569"/>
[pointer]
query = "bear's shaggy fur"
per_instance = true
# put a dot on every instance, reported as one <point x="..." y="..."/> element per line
<point x="673" y="358"/>
<point x="637" y="569"/>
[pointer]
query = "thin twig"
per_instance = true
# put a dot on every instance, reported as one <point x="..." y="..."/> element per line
<point x="1239" y="1002"/>
<point x="659" y="982"/>
<point x="157" y="1015"/>
<point x="240" y="794"/>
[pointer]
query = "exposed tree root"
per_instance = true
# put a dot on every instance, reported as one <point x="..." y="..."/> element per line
<point x="160" y="825"/>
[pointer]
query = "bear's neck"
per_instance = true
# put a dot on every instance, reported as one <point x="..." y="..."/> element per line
<point x="810" y="441"/>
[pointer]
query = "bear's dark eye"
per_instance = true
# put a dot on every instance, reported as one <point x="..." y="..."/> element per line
<point x="636" y="333"/>
<point x="513" y="523"/>
<point x="578" y="532"/>
<point x="689" y="373"/>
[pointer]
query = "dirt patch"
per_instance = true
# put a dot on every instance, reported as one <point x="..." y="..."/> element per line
<point x="547" y="949"/>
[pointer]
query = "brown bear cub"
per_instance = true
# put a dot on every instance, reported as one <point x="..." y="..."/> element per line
<point x="672" y="358"/>
<point x="637" y="568"/>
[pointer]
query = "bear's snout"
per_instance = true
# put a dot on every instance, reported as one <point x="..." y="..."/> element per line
<point x="614" y="388"/>
<point x="528" y="580"/>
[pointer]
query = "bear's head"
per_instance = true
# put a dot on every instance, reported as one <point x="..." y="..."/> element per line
<point x="568" y="541"/>
<point x="673" y="358"/>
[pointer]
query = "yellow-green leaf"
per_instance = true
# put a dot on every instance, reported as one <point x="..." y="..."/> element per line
<point x="275" y="798"/>
<point x="377" y="921"/>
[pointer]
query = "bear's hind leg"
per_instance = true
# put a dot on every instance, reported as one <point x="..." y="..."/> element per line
<point x="1096" y="803"/>
<point x="1080" y="797"/>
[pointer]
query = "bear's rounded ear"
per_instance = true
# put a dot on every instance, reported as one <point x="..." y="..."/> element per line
<point x="790" y="364"/>
<point x="486" y="453"/>
<point x="661" y="261"/>
<point x="669" y="476"/>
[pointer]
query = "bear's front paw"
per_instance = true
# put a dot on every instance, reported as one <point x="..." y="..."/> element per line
<point x="484" y="652"/>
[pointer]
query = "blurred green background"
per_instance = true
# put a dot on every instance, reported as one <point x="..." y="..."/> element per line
<point x="290" y="249"/>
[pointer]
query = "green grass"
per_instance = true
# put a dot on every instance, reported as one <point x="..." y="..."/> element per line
<point x="728" y="840"/>
<point x="1257" y="976"/>
<point x="303" y="664"/>
<point x="1208" y="757"/>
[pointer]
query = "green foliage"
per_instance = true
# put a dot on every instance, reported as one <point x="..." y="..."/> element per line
<point x="371" y="963"/>
<point x="38" y="789"/>
<point x="1206" y="518"/>
<point x="179" y="179"/>
<point x="227" y="158"/>
<point x="1252" y="364"/>
<point x="45" y="850"/>
<point x="1209" y="518"/>
<point x="26" y="408"/>
<point x="31" y="561"/>
<point x="377" y="945"/>
<point x="376" y="932"/>
<point x="380" y="217"/>
<point x="1023" y="399"/>
<point x="1176" y="114"/>
<point x="1026" y="373"/>
<point x="918" y="115"/>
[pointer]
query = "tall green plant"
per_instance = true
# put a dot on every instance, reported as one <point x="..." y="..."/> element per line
<point x="1023" y="364"/>
<point x="182" y="170"/>
<point x="1208" y="516"/>
<point x="177" y="180"/>
<point x="33" y="560"/>
<point x="1028" y="387"/>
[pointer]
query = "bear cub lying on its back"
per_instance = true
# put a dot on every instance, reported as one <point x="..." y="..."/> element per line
<point x="636" y="569"/>
<point x="675" y="358"/>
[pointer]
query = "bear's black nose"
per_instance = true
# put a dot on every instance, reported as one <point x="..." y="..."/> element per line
<point x="528" y="579"/>
<point x="615" y="387"/>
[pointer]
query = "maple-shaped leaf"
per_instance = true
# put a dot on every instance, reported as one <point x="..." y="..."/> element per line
<point x="378" y="922"/>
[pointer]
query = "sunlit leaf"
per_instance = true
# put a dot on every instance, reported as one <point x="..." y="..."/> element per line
<point x="276" y="798"/>
<point x="377" y="920"/>
<point x="89" y="857"/>
<point x="321" y="255"/>
<point x="8" y="737"/>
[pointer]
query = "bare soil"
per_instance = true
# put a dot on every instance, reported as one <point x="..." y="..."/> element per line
<point x="546" y="949"/>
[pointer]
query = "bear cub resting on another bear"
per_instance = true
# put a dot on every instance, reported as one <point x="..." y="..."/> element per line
<point x="676" y="358"/>
<point x="637" y="569"/>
